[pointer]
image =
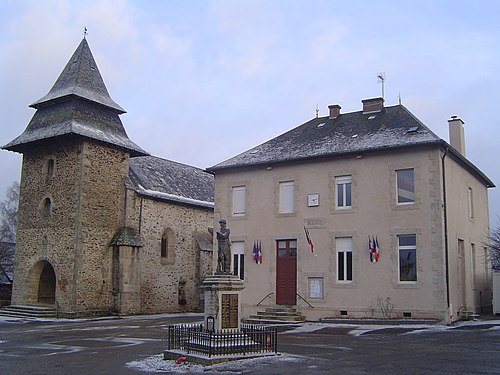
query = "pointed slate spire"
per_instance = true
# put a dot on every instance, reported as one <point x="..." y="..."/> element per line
<point x="81" y="78"/>
<point x="78" y="105"/>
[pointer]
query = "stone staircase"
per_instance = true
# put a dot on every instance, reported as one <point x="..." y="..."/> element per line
<point x="28" y="312"/>
<point x="276" y="315"/>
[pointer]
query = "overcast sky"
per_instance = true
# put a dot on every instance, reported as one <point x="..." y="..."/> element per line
<point x="202" y="81"/>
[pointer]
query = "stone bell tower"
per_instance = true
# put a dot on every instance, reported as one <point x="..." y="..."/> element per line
<point x="73" y="196"/>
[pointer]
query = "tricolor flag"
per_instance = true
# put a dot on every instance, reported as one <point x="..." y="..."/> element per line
<point x="377" y="250"/>
<point x="309" y="241"/>
<point x="371" y="249"/>
<point x="257" y="252"/>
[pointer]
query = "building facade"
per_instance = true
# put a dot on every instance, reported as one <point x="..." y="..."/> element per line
<point x="366" y="214"/>
<point x="102" y="226"/>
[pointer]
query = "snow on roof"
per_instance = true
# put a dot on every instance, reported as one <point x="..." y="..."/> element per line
<point x="168" y="180"/>
<point x="348" y="133"/>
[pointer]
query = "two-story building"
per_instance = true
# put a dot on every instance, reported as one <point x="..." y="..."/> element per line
<point x="363" y="214"/>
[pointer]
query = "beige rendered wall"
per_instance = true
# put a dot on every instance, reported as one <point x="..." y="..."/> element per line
<point x="472" y="280"/>
<point x="374" y="213"/>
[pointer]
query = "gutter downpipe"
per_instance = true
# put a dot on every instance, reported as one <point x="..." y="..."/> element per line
<point x="445" y="223"/>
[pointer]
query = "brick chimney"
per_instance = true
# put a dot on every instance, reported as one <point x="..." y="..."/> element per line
<point x="457" y="137"/>
<point x="373" y="105"/>
<point x="334" y="110"/>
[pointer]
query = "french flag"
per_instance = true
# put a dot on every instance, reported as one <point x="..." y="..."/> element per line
<point x="309" y="241"/>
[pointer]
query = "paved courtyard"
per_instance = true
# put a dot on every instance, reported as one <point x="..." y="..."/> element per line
<point x="133" y="345"/>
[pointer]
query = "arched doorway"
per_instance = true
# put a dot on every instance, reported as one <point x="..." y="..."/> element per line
<point x="47" y="285"/>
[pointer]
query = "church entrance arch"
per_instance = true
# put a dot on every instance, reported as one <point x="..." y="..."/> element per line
<point x="43" y="284"/>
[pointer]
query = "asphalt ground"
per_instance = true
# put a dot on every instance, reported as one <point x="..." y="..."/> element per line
<point x="133" y="345"/>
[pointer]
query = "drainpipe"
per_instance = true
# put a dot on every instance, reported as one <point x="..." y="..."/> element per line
<point x="140" y="217"/>
<point x="445" y="223"/>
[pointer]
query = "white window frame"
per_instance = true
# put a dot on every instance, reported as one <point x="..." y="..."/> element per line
<point x="343" y="246"/>
<point x="346" y="183"/>
<point x="411" y="194"/>
<point x="239" y="200"/>
<point x="286" y="197"/>
<point x="238" y="258"/>
<point x="406" y="248"/>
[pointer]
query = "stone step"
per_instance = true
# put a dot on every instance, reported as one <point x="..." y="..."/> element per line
<point x="273" y="309"/>
<point x="28" y="311"/>
<point x="271" y="322"/>
<point x="277" y="313"/>
<point x="287" y="318"/>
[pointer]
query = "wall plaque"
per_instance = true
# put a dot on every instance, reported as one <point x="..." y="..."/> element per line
<point x="229" y="310"/>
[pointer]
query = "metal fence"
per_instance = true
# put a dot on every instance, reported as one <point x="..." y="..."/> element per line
<point x="192" y="338"/>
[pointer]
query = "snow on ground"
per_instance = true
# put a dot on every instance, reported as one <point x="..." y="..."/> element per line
<point x="360" y="329"/>
<point x="156" y="364"/>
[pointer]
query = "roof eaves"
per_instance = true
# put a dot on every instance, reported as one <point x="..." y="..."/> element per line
<point x="214" y="169"/>
<point x="158" y="195"/>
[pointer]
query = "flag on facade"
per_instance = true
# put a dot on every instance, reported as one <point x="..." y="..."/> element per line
<point x="309" y="241"/>
<point x="371" y="249"/>
<point x="374" y="249"/>
<point x="257" y="252"/>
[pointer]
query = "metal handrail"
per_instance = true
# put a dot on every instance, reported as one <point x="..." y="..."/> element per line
<point x="258" y="304"/>
<point x="311" y="306"/>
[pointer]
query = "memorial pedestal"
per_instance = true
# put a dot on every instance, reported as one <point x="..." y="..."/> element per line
<point x="222" y="302"/>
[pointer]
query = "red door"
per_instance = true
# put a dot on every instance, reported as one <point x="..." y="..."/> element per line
<point x="286" y="272"/>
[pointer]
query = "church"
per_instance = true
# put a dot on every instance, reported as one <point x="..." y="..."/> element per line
<point x="104" y="227"/>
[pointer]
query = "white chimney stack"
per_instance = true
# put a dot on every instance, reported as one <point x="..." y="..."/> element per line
<point x="457" y="137"/>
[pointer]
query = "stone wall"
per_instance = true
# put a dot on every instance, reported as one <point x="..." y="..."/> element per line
<point x="68" y="213"/>
<point x="171" y="283"/>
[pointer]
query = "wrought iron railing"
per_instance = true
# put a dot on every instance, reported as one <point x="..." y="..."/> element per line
<point x="192" y="338"/>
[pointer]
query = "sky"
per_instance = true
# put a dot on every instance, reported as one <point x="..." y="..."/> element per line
<point x="205" y="80"/>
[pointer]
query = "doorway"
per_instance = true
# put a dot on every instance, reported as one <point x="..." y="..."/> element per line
<point x="47" y="285"/>
<point x="286" y="272"/>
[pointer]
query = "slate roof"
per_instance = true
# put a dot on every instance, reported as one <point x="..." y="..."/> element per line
<point x="127" y="236"/>
<point x="81" y="78"/>
<point x="348" y="133"/>
<point x="162" y="179"/>
<point x="392" y="128"/>
<point x="77" y="105"/>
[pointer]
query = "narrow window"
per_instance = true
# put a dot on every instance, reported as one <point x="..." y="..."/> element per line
<point x="239" y="200"/>
<point x="344" y="258"/>
<point x="406" y="186"/>
<point x="287" y="197"/>
<point x="50" y="168"/>
<point x="344" y="196"/>
<point x="473" y="265"/>
<point x="470" y="200"/>
<point x="167" y="246"/>
<point x="407" y="247"/>
<point x="238" y="250"/>
<point x="164" y="245"/>
<point x="47" y="206"/>
<point x="487" y="268"/>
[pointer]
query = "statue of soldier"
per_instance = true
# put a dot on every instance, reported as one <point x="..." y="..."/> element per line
<point x="223" y="249"/>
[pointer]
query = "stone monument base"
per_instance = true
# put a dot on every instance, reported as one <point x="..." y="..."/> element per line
<point x="222" y="302"/>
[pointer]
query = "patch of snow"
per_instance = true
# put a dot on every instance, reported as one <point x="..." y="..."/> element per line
<point x="156" y="364"/>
